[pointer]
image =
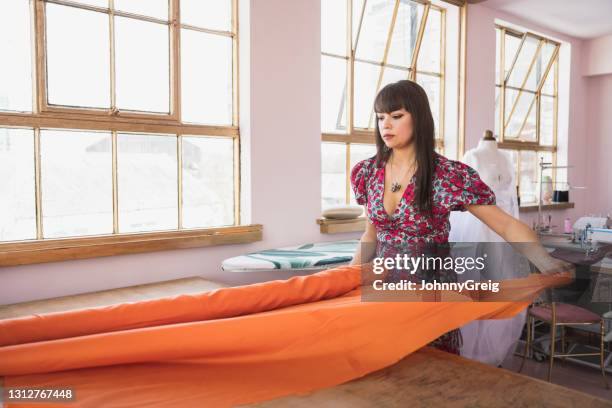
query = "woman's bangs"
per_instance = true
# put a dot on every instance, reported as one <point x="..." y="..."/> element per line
<point x="389" y="99"/>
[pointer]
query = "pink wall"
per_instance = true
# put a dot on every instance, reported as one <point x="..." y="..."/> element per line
<point x="281" y="171"/>
<point x="599" y="127"/>
<point x="597" y="56"/>
<point x="480" y="112"/>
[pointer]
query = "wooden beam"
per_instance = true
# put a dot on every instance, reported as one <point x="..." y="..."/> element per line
<point x="51" y="250"/>
<point x="47" y="120"/>
<point x="329" y="226"/>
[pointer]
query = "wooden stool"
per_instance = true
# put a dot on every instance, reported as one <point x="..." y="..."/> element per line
<point x="563" y="314"/>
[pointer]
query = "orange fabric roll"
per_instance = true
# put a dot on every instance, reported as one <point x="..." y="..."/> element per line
<point x="244" y="358"/>
<point x="221" y="303"/>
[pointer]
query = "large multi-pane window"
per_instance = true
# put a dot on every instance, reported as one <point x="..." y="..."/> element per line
<point x="365" y="45"/>
<point x="527" y="72"/>
<point x="117" y="116"/>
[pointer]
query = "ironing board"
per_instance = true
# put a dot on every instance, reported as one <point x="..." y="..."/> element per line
<point x="315" y="256"/>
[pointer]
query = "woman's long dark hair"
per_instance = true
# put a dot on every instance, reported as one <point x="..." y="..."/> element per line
<point x="410" y="96"/>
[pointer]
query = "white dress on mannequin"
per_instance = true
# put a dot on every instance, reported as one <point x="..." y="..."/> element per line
<point x="490" y="341"/>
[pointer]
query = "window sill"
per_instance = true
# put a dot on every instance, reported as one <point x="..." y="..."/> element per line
<point x="329" y="226"/>
<point x="53" y="250"/>
<point x="553" y="206"/>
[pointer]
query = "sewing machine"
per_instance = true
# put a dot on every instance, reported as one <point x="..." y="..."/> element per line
<point x="602" y="234"/>
<point x="588" y="235"/>
<point x="597" y="228"/>
<point x="592" y="233"/>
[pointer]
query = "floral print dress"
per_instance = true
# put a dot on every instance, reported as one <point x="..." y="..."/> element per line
<point x="455" y="185"/>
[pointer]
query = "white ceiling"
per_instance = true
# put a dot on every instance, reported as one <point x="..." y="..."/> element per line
<point x="576" y="18"/>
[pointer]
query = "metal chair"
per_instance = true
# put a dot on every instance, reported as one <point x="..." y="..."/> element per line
<point x="563" y="314"/>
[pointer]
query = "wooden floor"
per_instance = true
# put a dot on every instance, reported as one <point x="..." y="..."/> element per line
<point x="110" y="297"/>
<point x="565" y="373"/>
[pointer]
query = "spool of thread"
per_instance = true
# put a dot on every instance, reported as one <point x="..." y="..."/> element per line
<point x="560" y="196"/>
<point x="567" y="226"/>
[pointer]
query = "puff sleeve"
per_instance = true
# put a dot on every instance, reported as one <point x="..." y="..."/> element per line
<point x="359" y="176"/>
<point x="465" y="187"/>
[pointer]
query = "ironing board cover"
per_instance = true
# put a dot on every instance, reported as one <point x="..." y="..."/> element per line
<point x="319" y="255"/>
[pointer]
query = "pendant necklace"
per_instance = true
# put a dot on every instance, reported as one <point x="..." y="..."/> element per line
<point x="396" y="186"/>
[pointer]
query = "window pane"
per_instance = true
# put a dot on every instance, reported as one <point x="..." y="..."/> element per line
<point x="97" y="3"/>
<point x="206" y="91"/>
<point x="374" y="29"/>
<point x="142" y="63"/>
<point x="208" y="182"/>
<point x="366" y="78"/>
<point x="528" y="133"/>
<point x="333" y="94"/>
<point x="432" y="85"/>
<point x="549" y="83"/>
<point x="547" y="175"/>
<point x="511" y="48"/>
<point x="16" y="66"/>
<point x="540" y="66"/>
<point x="360" y="152"/>
<point x="333" y="27"/>
<point x="405" y="33"/>
<point x="510" y="97"/>
<point x="147" y="182"/>
<point x="17" y="203"/>
<point x="216" y="15"/>
<point x="357" y="9"/>
<point x="547" y="112"/>
<point x="333" y="180"/>
<point x="525" y="56"/>
<point x="522" y="109"/>
<point x="390" y="75"/>
<point x="78" y="74"/>
<point x="429" y="54"/>
<point x="76" y="177"/>
<point x="530" y="184"/>
<point x="151" y="8"/>
<point x="528" y="176"/>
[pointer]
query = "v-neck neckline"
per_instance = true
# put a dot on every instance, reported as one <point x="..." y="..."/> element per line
<point x="382" y="196"/>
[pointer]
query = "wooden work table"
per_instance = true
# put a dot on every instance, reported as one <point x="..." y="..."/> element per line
<point x="432" y="378"/>
<point x="110" y="297"/>
<point x="425" y="378"/>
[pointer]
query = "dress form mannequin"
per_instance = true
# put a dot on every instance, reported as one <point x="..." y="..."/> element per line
<point x="490" y="341"/>
<point x="495" y="169"/>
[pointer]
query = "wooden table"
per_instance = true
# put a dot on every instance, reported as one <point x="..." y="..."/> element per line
<point x="432" y="378"/>
<point x="110" y="297"/>
<point x="425" y="378"/>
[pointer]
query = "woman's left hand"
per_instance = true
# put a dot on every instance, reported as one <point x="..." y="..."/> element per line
<point x="552" y="266"/>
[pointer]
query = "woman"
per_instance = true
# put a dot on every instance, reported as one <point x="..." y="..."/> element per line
<point x="409" y="190"/>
